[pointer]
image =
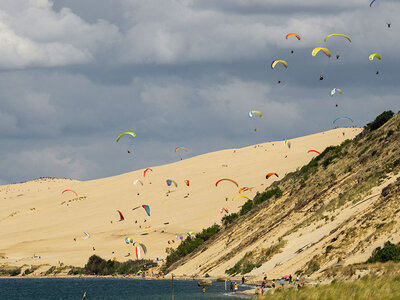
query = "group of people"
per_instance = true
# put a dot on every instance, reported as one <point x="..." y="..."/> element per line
<point x="282" y="281"/>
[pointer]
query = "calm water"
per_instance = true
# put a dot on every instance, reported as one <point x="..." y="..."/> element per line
<point x="106" y="288"/>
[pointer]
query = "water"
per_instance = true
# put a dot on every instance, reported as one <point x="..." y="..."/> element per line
<point x="106" y="288"/>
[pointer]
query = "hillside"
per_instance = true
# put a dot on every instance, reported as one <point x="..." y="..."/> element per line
<point x="334" y="211"/>
<point x="41" y="225"/>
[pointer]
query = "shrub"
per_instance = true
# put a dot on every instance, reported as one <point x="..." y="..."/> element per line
<point x="189" y="245"/>
<point x="389" y="252"/>
<point x="229" y="218"/>
<point x="380" y="120"/>
<point x="98" y="266"/>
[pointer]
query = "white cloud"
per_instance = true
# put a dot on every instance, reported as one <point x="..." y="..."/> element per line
<point x="32" y="34"/>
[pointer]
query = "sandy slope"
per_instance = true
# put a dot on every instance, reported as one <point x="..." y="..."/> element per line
<point x="35" y="218"/>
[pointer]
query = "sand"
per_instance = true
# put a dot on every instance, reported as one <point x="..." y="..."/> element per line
<point x="37" y="219"/>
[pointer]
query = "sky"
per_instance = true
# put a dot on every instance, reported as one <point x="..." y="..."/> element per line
<point x="74" y="74"/>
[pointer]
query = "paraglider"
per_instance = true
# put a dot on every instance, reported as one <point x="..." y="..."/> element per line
<point x="145" y="171"/>
<point x="179" y="237"/>
<point x="275" y="62"/>
<point x="334" y="121"/>
<point x="375" y="55"/>
<point x="121" y="216"/>
<point x="70" y="191"/>
<point x="338" y="34"/>
<point x="314" y="151"/>
<point x="128" y="240"/>
<point x="333" y="92"/>
<point x="138" y="181"/>
<point x="183" y="148"/>
<point x="132" y="134"/>
<point x="241" y="196"/>
<point x="170" y="181"/>
<point x="271" y="174"/>
<point x="87" y="235"/>
<point x="139" y="246"/>
<point x="226" y="179"/>
<point x="370" y="5"/>
<point x="324" y="50"/>
<point x="243" y="189"/>
<point x="255" y="112"/>
<point x="187" y="182"/>
<point x="293" y="34"/>
<point x="223" y="209"/>
<point x="147" y="209"/>
<point x="190" y="233"/>
<point x="388" y="24"/>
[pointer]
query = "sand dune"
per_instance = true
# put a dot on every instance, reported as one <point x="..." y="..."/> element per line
<point x="36" y="219"/>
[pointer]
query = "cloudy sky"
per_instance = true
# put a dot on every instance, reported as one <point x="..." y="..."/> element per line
<point x="74" y="74"/>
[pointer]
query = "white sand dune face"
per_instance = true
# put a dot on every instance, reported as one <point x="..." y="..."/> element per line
<point x="36" y="219"/>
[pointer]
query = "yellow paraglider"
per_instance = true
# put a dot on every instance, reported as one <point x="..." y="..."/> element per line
<point x="126" y="133"/>
<point x="257" y="112"/>
<point x="375" y="55"/>
<point x="241" y="196"/>
<point x="338" y="34"/>
<point x="324" y="50"/>
<point x="275" y="62"/>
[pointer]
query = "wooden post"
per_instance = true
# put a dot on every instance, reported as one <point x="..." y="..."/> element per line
<point x="172" y="286"/>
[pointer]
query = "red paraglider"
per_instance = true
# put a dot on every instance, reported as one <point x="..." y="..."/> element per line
<point x="226" y="179"/>
<point x="145" y="171"/>
<point x="121" y="216"/>
<point x="69" y="191"/>
<point x="313" y="151"/>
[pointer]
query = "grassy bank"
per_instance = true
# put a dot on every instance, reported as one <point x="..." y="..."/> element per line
<point x="368" y="287"/>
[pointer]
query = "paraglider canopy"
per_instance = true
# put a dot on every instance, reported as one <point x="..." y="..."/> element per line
<point x="241" y="196"/>
<point x="170" y="181"/>
<point x="145" y="171"/>
<point x="121" y="216"/>
<point x="375" y="55"/>
<point x="226" y="179"/>
<point x="275" y="62"/>
<point x="338" y="34"/>
<point x="183" y="148"/>
<point x="334" y="121"/>
<point x="253" y="112"/>
<point x="126" y="133"/>
<point x="313" y="151"/>
<point x="333" y="92"/>
<point x="324" y="50"/>
<point x="147" y="209"/>
<point x="293" y="34"/>
<point x="69" y="191"/>
<point x="271" y="174"/>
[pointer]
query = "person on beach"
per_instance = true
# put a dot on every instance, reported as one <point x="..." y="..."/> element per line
<point x="243" y="280"/>
<point x="273" y="283"/>
<point x="231" y="287"/>
<point x="204" y="289"/>
<point x="290" y="279"/>
<point x="282" y="282"/>
<point x="236" y="287"/>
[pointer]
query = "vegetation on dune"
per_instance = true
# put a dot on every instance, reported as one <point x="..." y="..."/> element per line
<point x="98" y="266"/>
<point x="254" y="259"/>
<point x="389" y="252"/>
<point x="379" y="120"/>
<point x="189" y="245"/>
<point x="249" y="205"/>
<point x="10" y="271"/>
<point x="368" y="287"/>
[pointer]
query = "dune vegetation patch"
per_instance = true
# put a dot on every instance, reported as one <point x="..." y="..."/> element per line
<point x="254" y="259"/>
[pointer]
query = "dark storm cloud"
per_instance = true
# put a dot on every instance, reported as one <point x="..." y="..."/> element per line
<point x="75" y="74"/>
